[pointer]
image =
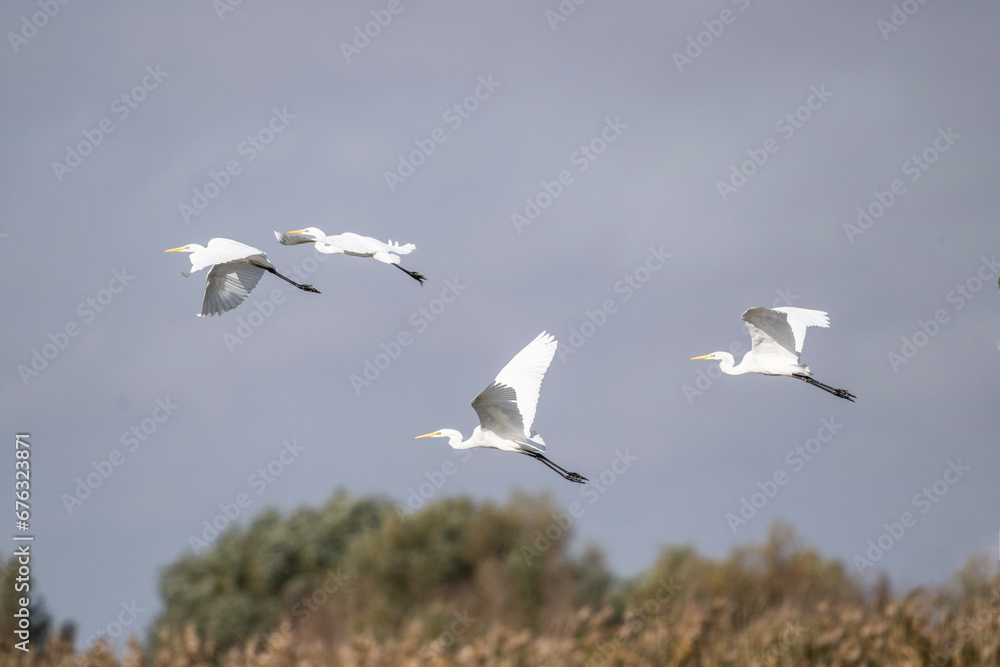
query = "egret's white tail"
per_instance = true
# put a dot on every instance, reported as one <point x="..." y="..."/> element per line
<point x="535" y="442"/>
<point x="387" y="257"/>
<point x="405" y="249"/>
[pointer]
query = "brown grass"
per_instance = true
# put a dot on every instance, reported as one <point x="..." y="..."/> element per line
<point x="921" y="629"/>
<point x="414" y="593"/>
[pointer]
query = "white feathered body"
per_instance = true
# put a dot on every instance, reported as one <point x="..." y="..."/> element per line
<point x="506" y="408"/>
<point x="236" y="270"/>
<point x="349" y="243"/>
<point x="776" y="335"/>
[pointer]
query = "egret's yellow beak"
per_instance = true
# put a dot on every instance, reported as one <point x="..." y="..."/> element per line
<point x="297" y="231"/>
<point x="706" y="356"/>
<point x="183" y="247"/>
<point x="427" y="435"/>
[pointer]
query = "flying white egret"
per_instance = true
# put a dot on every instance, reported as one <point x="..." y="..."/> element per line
<point x="777" y="335"/>
<point x="236" y="268"/>
<point x="352" y="244"/>
<point x="506" y="408"/>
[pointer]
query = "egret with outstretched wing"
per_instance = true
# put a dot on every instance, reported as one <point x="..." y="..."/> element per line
<point x="352" y="244"/>
<point x="777" y="335"/>
<point x="236" y="269"/>
<point x="506" y="408"/>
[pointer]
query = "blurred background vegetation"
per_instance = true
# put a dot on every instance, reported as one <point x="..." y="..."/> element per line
<point x="459" y="582"/>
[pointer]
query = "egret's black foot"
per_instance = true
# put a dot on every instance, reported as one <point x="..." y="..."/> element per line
<point x="413" y="274"/>
<point x="565" y="474"/>
<point x="840" y="393"/>
<point x="306" y="288"/>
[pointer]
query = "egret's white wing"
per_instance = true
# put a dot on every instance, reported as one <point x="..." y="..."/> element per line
<point x="293" y="239"/>
<point x="770" y="334"/>
<point x="228" y="285"/>
<point x="328" y="248"/>
<point x="524" y="375"/>
<point x="351" y="244"/>
<point x="385" y="252"/>
<point x="800" y="318"/>
<point x="356" y="244"/>
<point x="497" y="409"/>
<point x="386" y="257"/>
<point x="220" y="251"/>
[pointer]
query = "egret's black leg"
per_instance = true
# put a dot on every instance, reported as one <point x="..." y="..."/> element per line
<point x="307" y="288"/>
<point x="841" y="393"/>
<point x="413" y="274"/>
<point x="571" y="476"/>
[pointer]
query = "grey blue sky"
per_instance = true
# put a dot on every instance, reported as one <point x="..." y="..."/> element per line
<point x="627" y="176"/>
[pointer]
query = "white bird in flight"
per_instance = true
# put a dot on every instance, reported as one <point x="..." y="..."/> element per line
<point x="352" y="244"/>
<point x="506" y="408"/>
<point x="777" y="335"/>
<point x="236" y="268"/>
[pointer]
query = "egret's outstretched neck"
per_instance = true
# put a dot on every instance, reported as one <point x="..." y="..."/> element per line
<point x="727" y="364"/>
<point x="455" y="439"/>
